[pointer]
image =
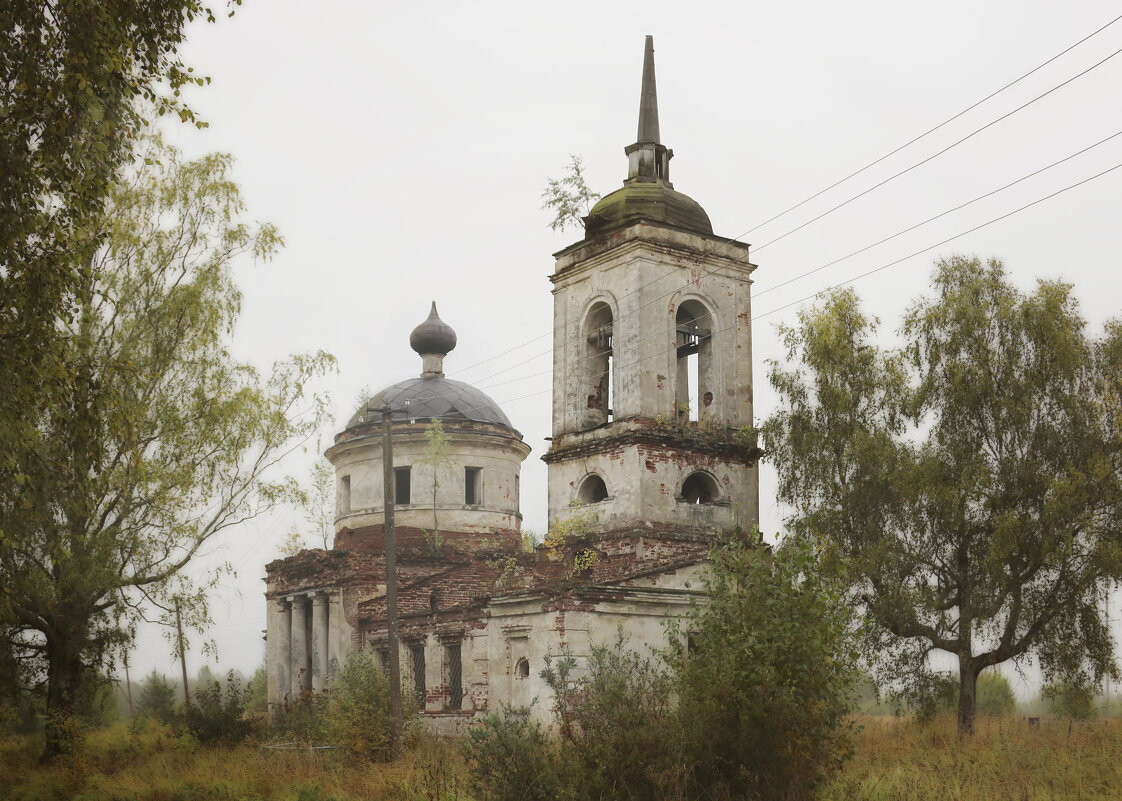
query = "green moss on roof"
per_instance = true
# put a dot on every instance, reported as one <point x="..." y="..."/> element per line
<point x="652" y="201"/>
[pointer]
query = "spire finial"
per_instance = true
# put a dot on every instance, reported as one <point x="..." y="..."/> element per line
<point x="433" y="340"/>
<point x="647" y="160"/>
<point x="648" y="98"/>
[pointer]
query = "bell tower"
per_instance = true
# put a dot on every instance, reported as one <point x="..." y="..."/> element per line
<point x="652" y="358"/>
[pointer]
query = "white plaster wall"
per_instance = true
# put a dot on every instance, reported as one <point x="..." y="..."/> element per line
<point x="499" y="457"/>
<point x="644" y="280"/>
<point x="637" y="494"/>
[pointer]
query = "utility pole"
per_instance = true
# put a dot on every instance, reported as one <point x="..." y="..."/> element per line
<point x="182" y="657"/>
<point x="128" y="683"/>
<point x="391" y="575"/>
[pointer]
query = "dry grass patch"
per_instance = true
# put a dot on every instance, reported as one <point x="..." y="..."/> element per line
<point x="1007" y="759"/>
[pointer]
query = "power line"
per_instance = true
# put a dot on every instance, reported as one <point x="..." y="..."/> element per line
<point x="825" y="213"/>
<point x="870" y="272"/>
<point x="939" y="153"/>
<point x="882" y="241"/>
<point x="837" y="183"/>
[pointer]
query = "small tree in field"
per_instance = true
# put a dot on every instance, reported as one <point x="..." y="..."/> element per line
<point x="968" y="487"/>
<point x="764" y="698"/>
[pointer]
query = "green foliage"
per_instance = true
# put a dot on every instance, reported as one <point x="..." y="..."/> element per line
<point x="758" y="710"/>
<point x="217" y="715"/>
<point x="257" y="694"/>
<point x="72" y="76"/>
<point x="565" y="533"/>
<point x="156" y="699"/>
<point x="995" y="696"/>
<point x="160" y="440"/>
<point x="437" y="456"/>
<point x="1070" y="699"/>
<point x="569" y="198"/>
<point x="358" y="709"/>
<point x="617" y="722"/>
<point x="968" y="486"/>
<point x="511" y="758"/>
<point x="765" y="696"/>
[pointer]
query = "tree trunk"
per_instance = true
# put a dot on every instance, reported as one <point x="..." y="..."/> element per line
<point x="64" y="678"/>
<point x="967" y="696"/>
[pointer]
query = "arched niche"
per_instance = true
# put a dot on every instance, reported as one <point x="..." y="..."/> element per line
<point x="592" y="490"/>
<point x="700" y="488"/>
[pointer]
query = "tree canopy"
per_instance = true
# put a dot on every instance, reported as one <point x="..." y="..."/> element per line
<point x="161" y="439"/>
<point x="967" y="485"/>
<point x="71" y="75"/>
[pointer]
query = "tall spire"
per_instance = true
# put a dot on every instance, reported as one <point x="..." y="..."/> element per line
<point x="647" y="160"/>
<point x="648" y="98"/>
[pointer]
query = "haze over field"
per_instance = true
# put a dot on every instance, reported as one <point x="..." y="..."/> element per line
<point x="402" y="150"/>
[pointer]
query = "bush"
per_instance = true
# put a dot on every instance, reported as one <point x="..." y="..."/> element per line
<point x="994" y="695"/>
<point x="156" y="699"/>
<point x="759" y="709"/>
<point x="617" y="722"/>
<point x="766" y="696"/>
<point x="219" y="717"/>
<point x="510" y="758"/>
<point x="358" y="716"/>
<point x="1070" y="699"/>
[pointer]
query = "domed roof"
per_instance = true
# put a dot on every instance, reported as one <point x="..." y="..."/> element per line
<point x="654" y="201"/>
<point x="431" y="398"/>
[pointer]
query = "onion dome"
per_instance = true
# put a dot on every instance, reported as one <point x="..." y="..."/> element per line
<point x="433" y="336"/>
<point x="432" y="396"/>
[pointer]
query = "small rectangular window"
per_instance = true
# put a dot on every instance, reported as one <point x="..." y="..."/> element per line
<point x="345" y="494"/>
<point x="417" y="652"/>
<point x="383" y="659"/>
<point x="401" y="485"/>
<point x="455" y="675"/>
<point x="473" y="486"/>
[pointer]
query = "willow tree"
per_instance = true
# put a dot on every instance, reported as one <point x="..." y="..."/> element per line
<point x="162" y="439"/>
<point x="967" y="485"/>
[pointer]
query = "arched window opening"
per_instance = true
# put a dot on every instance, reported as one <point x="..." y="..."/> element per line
<point x="522" y="668"/>
<point x="592" y="490"/>
<point x="700" y="488"/>
<point x="599" y="358"/>
<point x="693" y="335"/>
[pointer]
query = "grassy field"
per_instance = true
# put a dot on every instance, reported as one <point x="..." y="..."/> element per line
<point x="896" y="759"/>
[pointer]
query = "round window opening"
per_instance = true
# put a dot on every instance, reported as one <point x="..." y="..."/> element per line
<point x="700" y="488"/>
<point x="592" y="490"/>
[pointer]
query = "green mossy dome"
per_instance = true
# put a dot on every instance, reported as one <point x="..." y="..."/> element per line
<point x="652" y="201"/>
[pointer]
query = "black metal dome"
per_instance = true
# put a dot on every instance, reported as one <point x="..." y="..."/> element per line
<point x="429" y="399"/>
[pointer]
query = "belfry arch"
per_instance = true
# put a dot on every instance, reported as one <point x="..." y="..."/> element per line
<point x="693" y="342"/>
<point x="597" y="336"/>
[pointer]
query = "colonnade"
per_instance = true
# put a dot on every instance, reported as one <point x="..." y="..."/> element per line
<point x="302" y="646"/>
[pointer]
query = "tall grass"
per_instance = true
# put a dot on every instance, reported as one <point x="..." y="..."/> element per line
<point x="896" y="760"/>
<point x="900" y="760"/>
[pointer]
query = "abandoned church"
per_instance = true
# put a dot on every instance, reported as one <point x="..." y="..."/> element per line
<point x="652" y="389"/>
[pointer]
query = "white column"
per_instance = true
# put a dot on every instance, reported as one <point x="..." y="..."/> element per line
<point x="281" y="651"/>
<point x="335" y="631"/>
<point x="319" y="641"/>
<point x="301" y="675"/>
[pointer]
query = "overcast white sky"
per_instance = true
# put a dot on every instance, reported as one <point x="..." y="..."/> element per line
<point x="402" y="147"/>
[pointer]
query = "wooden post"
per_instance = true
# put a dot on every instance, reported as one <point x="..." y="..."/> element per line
<point x="128" y="683"/>
<point x="182" y="658"/>
<point x="391" y="576"/>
